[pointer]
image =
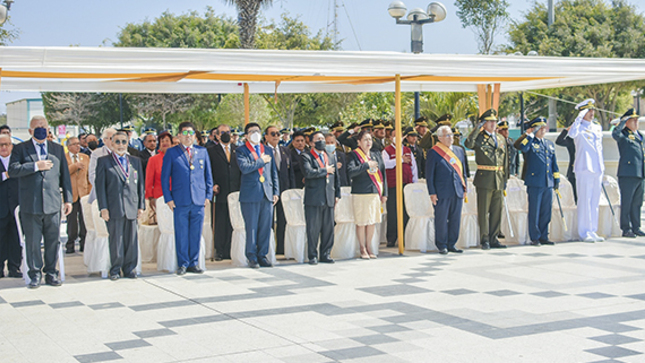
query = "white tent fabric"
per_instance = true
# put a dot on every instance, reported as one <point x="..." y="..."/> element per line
<point x="154" y="70"/>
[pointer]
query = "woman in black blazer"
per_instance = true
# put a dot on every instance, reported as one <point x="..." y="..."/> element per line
<point x="369" y="190"/>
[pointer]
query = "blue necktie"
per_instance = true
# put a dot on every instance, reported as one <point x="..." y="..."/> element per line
<point x="43" y="152"/>
<point x="257" y="149"/>
<point x="124" y="163"/>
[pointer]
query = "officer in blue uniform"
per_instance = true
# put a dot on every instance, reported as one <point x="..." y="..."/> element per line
<point x="631" y="173"/>
<point x="542" y="176"/>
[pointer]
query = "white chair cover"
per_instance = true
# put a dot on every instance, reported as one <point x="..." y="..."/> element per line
<point x="148" y="237"/>
<point x="295" y="234"/>
<point x="166" y="250"/>
<point x="419" y="233"/>
<point x="517" y="201"/>
<point x="207" y="231"/>
<point x="99" y="253"/>
<point x="469" y="229"/>
<point x="90" y="236"/>
<point x="557" y="231"/>
<point x="238" y="238"/>
<point x="345" y="239"/>
<point x="608" y="224"/>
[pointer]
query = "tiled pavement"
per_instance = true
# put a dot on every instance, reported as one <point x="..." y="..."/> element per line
<point x="573" y="302"/>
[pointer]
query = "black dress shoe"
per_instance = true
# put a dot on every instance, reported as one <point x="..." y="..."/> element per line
<point x="536" y="243"/>
<point x="265" y="263"/>
<point x="17" y="274"/>
<point x="218" y="257"/>
<point x="181" y="271"/>
<point x="326" y="259"/>
<point x="195" y="270"/>
<point x="455" y="250"/>
<point x="485" y="246"/>
<point x="497" y="245"/>
<point x="547" y="242"/>
<point x="254" y="264"/>
<point x="313" y="261"/>
<point x="639" y="233"/>
<point x="132" y="275"/>
<point x="629" y="234"/>
<point x="114" y="277"/>
<point x="501" y="235"/>
<point x="443" y="251"/>
<point x="53" y="281"/>
<point x="69" y="251"/>
<point x="389" y="245"/>
<point x="34" y="283"/>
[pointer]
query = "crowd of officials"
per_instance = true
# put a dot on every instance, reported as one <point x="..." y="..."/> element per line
<point x="190" y="168"/>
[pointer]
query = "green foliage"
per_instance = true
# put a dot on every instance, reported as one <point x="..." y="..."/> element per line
<point x="8" y="35"/>
<point x="433" y="105"/>
<point x="291" y="33"/>
<point x="486" y="18"/>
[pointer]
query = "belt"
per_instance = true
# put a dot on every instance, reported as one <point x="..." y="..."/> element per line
<point x="490" y="168"/>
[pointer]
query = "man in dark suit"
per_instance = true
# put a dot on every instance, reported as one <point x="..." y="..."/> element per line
<point x="299" y="147"/>
<point x="341" y="158"/>
<point x="565" y="141"/>
<point x="322" y="192"/>
<point x="121" y="200"/>
<point x="631" y="173"/>
<point x="259" y="192"/>
<point x="226" y="180"/>
<point x="41" y="165"/>
<point x="286" y="177"/>
<point x="446" y="180"/>
<point x="9" y="241"/>
<point x="149" y="149"/>
<point x="189" y="168"/>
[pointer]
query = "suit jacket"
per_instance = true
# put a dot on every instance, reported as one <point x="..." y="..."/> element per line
<point x="251" y="189"/>
<point x="341" y="157"/>
<point x="442" y="178"/>
<point x="286" y="174"/>
<point x="96" y="154"/>
<point x="79" y="177"/>
<point x="541" y="164"/>
<point x="348" y="139"/>
<point x="133" y="151"/>
<point x="225" y="174"/>
<point x="489" y="155"/>
<point x="298" y="174"/>
<point x="120" y="196"/>
<point x="8" y="194"/>
<point x="565" y="141"/>
<point x="188" y="185"/>
<point x="361" y="181"/>
<point x="40" y="190"/>
<point x="632" y="151"/>
<point x="321" y="189"/>
<point x="144" y="155"/>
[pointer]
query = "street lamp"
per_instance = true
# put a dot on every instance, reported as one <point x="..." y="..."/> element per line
<point x="4" y="10"/>
<point x="435" y="13"/>
<point x="637" y="95"/>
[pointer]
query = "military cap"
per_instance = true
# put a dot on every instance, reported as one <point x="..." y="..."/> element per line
<point x="337" y="126"/>
<point x="128" y="128"/>
<point x="309" y="131"/>
<point x="631" y="113"/>
<point x="388" y="125"/>
<point x="205" y="133"/>
<point x="150" y="131"/>
<point x="366" y="123"/>
<point x="444" y="120"/>
<point x="538" y="121"/>
<point x="285" y="131"/>
<point x="421" y="121"/>
<point x="379" y="124"/>
<point x="410" y="132"/>
<point x="456" y="132"/>
<point x="502" y="125"/>
<point x="588" y="104"/>
<point x="489" y="115"/>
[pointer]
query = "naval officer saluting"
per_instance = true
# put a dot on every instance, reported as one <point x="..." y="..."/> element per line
<point x="631" y="173"/>
<point x="542" y="176"/>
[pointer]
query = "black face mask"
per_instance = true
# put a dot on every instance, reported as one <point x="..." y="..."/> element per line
<point x="92" y="145"/>
<point x="225" y="137"/>
<point x="320" y="145"/>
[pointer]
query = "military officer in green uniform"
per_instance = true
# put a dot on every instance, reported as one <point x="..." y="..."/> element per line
<point x="491" y="177"/>
<point x="430" y="138"/>
<point x="348" y="138"/>
<point x="513" y="155"/>
<point x="631" y="173"/>
<point x="378" y="136"/>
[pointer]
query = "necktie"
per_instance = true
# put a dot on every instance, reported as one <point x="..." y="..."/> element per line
<point x="123" y="163"/>
<point x="43" y="152"/>
<point x="74" y="158"/>
<point x="257" y="150"/>
<point x="278" y="157"/>
<point x="228" y="153"/>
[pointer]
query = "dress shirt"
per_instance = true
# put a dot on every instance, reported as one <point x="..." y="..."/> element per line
<point x="152" y="152"/>
<point x="391" y="163"/>
<point x="41" y="156"/>
<point x="5" y="162"/>
<point x="276" y="154"/>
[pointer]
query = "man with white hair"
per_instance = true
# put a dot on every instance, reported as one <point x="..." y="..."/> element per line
<point x="446" y="179"/>
<point x="96" y="154"/>
<point x="589" y="168"/>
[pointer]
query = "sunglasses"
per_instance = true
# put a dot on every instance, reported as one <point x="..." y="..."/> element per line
<point x="188" y="132"/>
<point x="120" y="142"/>
<point x="274" y="133"/>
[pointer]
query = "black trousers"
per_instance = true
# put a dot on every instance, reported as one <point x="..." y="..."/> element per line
<point x="223" y="230"/>
<point x="631" y="201"/>
<point x="124" y="250"/>
<point x="10" y="250"/>
<point x="36" y="228"/>
<point x="392" y="225"/>
<point x="447" y="221"/>
<point x="76" y="227"/>
<point x="281" y="224"/>
<point x="320" y="224"/>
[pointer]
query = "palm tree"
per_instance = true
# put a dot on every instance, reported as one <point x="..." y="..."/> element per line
<point x="247" y="18"/>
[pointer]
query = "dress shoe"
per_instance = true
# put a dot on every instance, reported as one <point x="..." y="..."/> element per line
<point x="254" y="264"/>
<point x="497" y="245"/>
<point x="485" y="246"/>
<point x="17" y="274"/>
<point x="455" y="250"/>
<point x="597" y="238"/>
<point x="326" y="259"/>
<point x="389" y="245"/>
<point x="195" y="270"/>
<point x="313" y="261"/>
<point x="265" y="263"/>
<point x="365" y="256"/>
<point x="629" y="234"/>
<point x="53" y="281"/>
<point x="132" y="275"/>
<point x="372" y="256"/>
<point x="69" y="251"/>
<point x="547" y="242"/>
<point x="114" y="277"/>
<point x="181" y="271"/>
<point x="589" y="239"/>
<point x="443" y="251"/>
<point x="34" y="283"/>
<point x="501" y="235"/>
<point x="218" y="258"/>
<point x="536" y="243"/>
<point x="639" y="233"/>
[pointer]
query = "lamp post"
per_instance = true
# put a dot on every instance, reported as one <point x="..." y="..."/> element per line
<point x="637" y="99"/>
<point x="5" y="6"/>
<point x="435" y="13"/>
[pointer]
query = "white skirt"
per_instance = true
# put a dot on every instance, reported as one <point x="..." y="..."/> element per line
<point x="367" y="209"/>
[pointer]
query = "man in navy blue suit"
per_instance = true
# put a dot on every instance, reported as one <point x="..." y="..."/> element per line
<point x="446" y="178"/>
<point x="259" y="191"/>
<point x="189" y="167"/>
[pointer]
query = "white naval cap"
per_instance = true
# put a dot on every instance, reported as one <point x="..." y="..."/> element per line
<point x="587" y="104"/>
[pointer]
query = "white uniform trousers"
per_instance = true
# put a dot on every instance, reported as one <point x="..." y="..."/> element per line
<point x="589" y="187"/>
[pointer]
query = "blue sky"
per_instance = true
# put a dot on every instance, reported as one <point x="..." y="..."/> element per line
<point x="97" y="23"/>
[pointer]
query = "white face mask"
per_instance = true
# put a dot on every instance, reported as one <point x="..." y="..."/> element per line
<point x="255" y="137"/>
<point x="394" y="141"/>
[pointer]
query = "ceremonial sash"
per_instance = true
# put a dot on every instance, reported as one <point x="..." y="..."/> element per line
<point x="319" y="160"/>
<point x="452" y="159"/>
<point x="124" y="173"/>
<point x="376" y="177"/>
<point x="256" y="156"/>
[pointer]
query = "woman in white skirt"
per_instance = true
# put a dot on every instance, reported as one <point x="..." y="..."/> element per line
<point x="369" y="190"/>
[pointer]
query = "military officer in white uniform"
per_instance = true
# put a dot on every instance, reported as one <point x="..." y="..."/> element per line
<point x="589" y="168"/>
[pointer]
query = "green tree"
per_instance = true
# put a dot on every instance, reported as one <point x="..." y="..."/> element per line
<point x="248" y="11"/>
<point x="486" y="18"/>
<point x="460" y="105"/>
<point x="585" y="28"/>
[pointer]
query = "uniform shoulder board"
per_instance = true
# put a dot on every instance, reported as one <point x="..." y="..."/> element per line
<point x="525" y="141"/>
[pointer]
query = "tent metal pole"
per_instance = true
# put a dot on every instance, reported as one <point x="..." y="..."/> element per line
<point x="247" y="104"/>
<point x="399" y="160"/>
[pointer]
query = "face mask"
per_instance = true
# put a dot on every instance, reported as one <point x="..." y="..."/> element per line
<point x="255" y="137"/>
<point x="393" y="140"/>
<point x="330" y="148"/>
<point x="320" y="145"/>
<point x="225" y="137"/>
<point x="40" y="133"/>
<point x="92" y="145"/>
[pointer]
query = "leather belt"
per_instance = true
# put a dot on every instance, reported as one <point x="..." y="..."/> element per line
<point x="490" y="168"/>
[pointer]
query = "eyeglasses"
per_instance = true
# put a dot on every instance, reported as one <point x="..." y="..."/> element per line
<point x="448" y="135"/>
<point x="188" y="132"/>
<point x="120" y="142"/>
<point x="5" y="144"/>
<point x="274" y="133"/>
<point x="73" y="144"/>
